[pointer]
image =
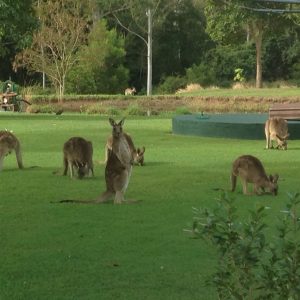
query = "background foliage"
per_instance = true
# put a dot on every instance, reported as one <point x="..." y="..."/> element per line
<point x="193" y="40"/>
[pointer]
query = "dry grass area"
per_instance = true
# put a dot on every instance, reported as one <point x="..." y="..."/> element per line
<point x="160" y="104"/>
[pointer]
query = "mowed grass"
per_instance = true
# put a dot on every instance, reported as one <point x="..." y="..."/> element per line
<point x="138" y="251"/>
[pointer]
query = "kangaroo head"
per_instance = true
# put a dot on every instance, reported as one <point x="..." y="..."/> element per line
<point x="117" y="129"/>
<point x="139" y="156"/>
<point x="273" y="184"/>
<point x="83" y="170"/>
<point x="282" y="142"/>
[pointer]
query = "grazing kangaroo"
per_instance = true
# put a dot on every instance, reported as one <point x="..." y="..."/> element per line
<point x="78" y="154"/>
<point x="130" y="91"/>
<point x="8" y="143"/>
<point x="118" y="168"/>
<point x="276" y="129"/>
<point x="251" y="170"/>
<point x="137" y="154"/>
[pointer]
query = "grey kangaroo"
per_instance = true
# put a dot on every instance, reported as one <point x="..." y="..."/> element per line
<point x="9" y="143"/>
<point x="137" y="153"/>
<point x="78" y="154"/>
<point x="251" y="170"/>
<point x="117" y="170"/>
<point x="276" y="129"/>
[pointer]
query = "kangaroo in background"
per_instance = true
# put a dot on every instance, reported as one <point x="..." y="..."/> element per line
<point x="117" y="170"/>
<point x="8" y="143"/>
<point x="78" y="154"/>
<point x="130" y="91"/>
<point x="137" y="154"/>
<point x="276" y="129"/>
<point x="251" y="170"/>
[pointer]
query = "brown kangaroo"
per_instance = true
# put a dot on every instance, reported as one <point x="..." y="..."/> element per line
<point x="137" y="154"/>
<point x="8" y="143"/>
<point x="251" y="170"/>
<point x="78" y="154"/>
<point x="118" y="168"/>
<point x="130" y="91"/>
<point x="276" y="129"/>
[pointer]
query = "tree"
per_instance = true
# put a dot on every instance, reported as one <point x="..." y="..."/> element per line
<point x="141" y="18"/>
<point x="234" y="21"/>
<point x="181" y="41"/>
<point x="17" y="23"/>
<point x="100" y="66"/>
<point x="53" y="50"/>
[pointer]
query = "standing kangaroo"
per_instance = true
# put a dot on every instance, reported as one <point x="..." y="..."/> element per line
<point x="118" y="168"/>
<point x="78" y="153"/>
<point x="130" y="91"/>
<point x="251" y="170"/>
<point x="276" y="129"/>
<point x="137" y="154"/>
<point x="8" y="143"/>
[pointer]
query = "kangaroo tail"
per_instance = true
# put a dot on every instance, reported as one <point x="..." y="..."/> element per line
<point x="233" y="181"/>
<point x="76" y="201"/>
<point x="104" y="197"/>
<point x="19" y="155"/>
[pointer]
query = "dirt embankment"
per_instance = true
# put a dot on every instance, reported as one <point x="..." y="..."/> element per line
<point x="164" y="104"/>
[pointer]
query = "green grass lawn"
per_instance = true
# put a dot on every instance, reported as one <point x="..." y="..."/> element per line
<point x="138" y="251"/>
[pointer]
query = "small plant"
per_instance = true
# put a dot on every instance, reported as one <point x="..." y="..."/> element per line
<point x="183" y="110"/>
<point x="239" y="75"/>
<point x="135" y="110"/>
<point x="94" y="109"/>
<point x="249" y="266"/>
<point x="112" y="111"/>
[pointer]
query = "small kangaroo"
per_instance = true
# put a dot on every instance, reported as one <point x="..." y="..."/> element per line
<point x="276" y="129"/>
<point x="251" y="170"/>
<point x="130" y="91"/>
<point x="8" y="143"/>
<point x="78" y="154"/>
<point x="117" y="170"/>
<point x="137" y="154"/>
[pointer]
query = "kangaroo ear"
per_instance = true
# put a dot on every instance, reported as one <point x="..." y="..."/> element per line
<point x="112" y="122"/>
<point x="275" y="178"/>
<point x="271" y="178"/>
<point x="121" y="122"/>
<point x="143" y="150"/>
<point x="138" y="150"/>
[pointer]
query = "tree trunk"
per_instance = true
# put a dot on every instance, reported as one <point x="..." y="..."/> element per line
<point x="258" y="44"/>
<point x="149" y="54"/>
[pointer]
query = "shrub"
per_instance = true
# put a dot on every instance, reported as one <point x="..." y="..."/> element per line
<point x="94" y="109"/>
<point x="182" y="111"/>
<point x="112" y="111"/>
<point x="249" y="266"/>
<point x="171" y="84"/>
<point x="135" y="110"/>
<point x="35" y="108"/>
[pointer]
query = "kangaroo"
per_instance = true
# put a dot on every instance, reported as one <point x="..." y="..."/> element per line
<point x="8" y="143"/>
<point x="78" y="154"/>
<point x="137" y="154"/>
<point x="117" y="170"/>
<point x="130" y="91"/>
<point x="276" y="129"/>
<point x="251" y="170"/>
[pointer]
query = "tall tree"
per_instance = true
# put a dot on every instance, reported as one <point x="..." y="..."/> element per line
<point x="233" y="21"/>
<point x="61" y="32"/>
<point x="181" y="41"/>
<point x="141" y="18"/>
<point x="17" y="23"/>
<point x="100" y="66"/>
